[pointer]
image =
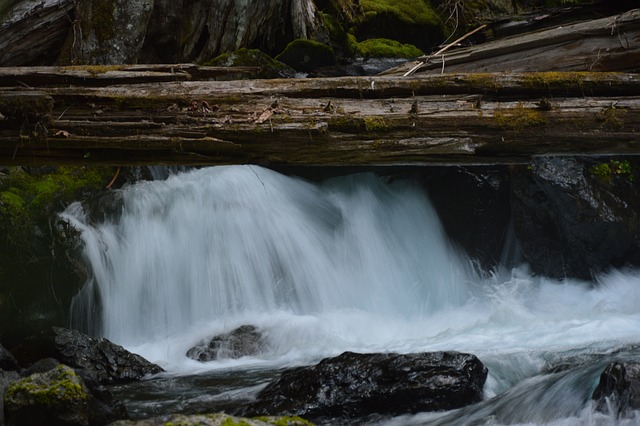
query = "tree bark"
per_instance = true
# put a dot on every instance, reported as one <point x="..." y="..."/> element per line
<point x="349" y="121"/>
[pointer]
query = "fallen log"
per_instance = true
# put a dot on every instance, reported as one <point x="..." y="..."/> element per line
<point x="606" y="44"/>
<point x="349" y="121"/>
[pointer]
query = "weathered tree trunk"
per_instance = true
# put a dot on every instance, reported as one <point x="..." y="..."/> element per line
<point x="464" y="118"/>
<point x="145" y="31"/>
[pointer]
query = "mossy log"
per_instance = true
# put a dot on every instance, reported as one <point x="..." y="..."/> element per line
<point x="348" y="121"/>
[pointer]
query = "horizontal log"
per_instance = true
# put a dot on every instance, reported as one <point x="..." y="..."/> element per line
<point x="107" y="75"/>
<point x="354" y="121"/>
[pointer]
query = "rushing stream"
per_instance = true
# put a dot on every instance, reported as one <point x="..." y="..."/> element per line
<point x="354" y="263"/>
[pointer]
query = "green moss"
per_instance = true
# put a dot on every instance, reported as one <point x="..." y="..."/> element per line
<point x="229" y="421"/>
<point x="407" y="11"/>
<point x="608" y="170"/>
<point x="284" y="421"/>
<point x="385" y="48"/>
<point x="518" y="118"/>
<point x="65" y="387"/>
<point x="373" y="124"/>
<point x="407" y="21"/>
<point x="28" y="200"/>
<point x="611" y="118"/>
<point x="306" y="55"/>
<point x="343" y="43"/>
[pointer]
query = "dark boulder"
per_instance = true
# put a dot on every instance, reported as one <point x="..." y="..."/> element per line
<point x="96" y="360"/>
<point x="245" y="340"/>
<point x="474" y="208"/>
<point x="618" y="388"/>
<point x="575" y="217"/>
<point x="353" y="385"/>
<point x="7" y="360"/>
<point x="6" y="379"/>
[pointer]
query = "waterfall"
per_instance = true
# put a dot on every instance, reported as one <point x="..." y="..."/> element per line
<point x="228" y="244"/>
<point x="353" y="263"/>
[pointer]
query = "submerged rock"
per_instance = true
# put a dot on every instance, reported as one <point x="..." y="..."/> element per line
<point x="353" y="385"/>
<point x="619" y="388"/>
<point x="96" y="360"/>
<point x="245" y="340"/>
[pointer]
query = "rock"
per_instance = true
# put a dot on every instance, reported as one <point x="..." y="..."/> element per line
<point x="6" y="379"/>
<point x="407" y="21"/>
<point x="268" y="67"/>
<point x="217" y="419"/>
<point x="96" y="360"/>
<point x="57" y="397"/>
<point x="7" y="360"/>
<point x="618" y="388"/>
<point x="307" y="55"/>
<point x="40" y="366"/>
<point x="245" y="340"/>
<point x="352" y="385"/>
<point x="473" y="204"/>
<point x="575" y="217"/>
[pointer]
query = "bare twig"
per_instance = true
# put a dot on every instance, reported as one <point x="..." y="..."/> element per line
<point x="444" y="49"/>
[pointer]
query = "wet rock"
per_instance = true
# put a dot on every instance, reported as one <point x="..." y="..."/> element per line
<point x="473" y="205"/>
<point x="96" y="360"/>
<point x="7" y="360"/>
<point x="6" y="379"/>
<point x="307" y="55"/>
<point x="575" y="217"/>
<point x="57" y="397"/>
<point x="217" y="419"/>
<point x="619" y="388"/>
<point x="352" y="385"/>
<point x="245" y="340"/>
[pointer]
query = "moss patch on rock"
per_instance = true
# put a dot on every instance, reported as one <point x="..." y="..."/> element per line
<point x="407" y="21"/>
<point x="47" y="389"/>
<point x="306" y="55"/>
<point x="385" y="48"/>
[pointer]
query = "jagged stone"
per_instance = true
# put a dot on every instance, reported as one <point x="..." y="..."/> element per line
<point x="96" y="360"/>
<point x="245" y="340"/>
<point x="575" y="217"/>
<point x="352" y="385"/>
<point x="619" y="388"/>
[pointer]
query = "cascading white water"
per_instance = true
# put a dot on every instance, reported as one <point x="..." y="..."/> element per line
<point x="354" y="263"/>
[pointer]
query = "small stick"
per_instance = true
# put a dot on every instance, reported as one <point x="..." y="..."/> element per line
<point x="444" y="49"/>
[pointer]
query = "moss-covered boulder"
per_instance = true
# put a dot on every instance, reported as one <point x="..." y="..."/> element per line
<point x="407" y="21"/>
<point x="57" y="397"/>
<point x="267" y="67"/>
<point x="39" y="254"/>
<point x="385" y="48"/>
<point x="216" y="419"/>
<point x="307" y="55"/>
